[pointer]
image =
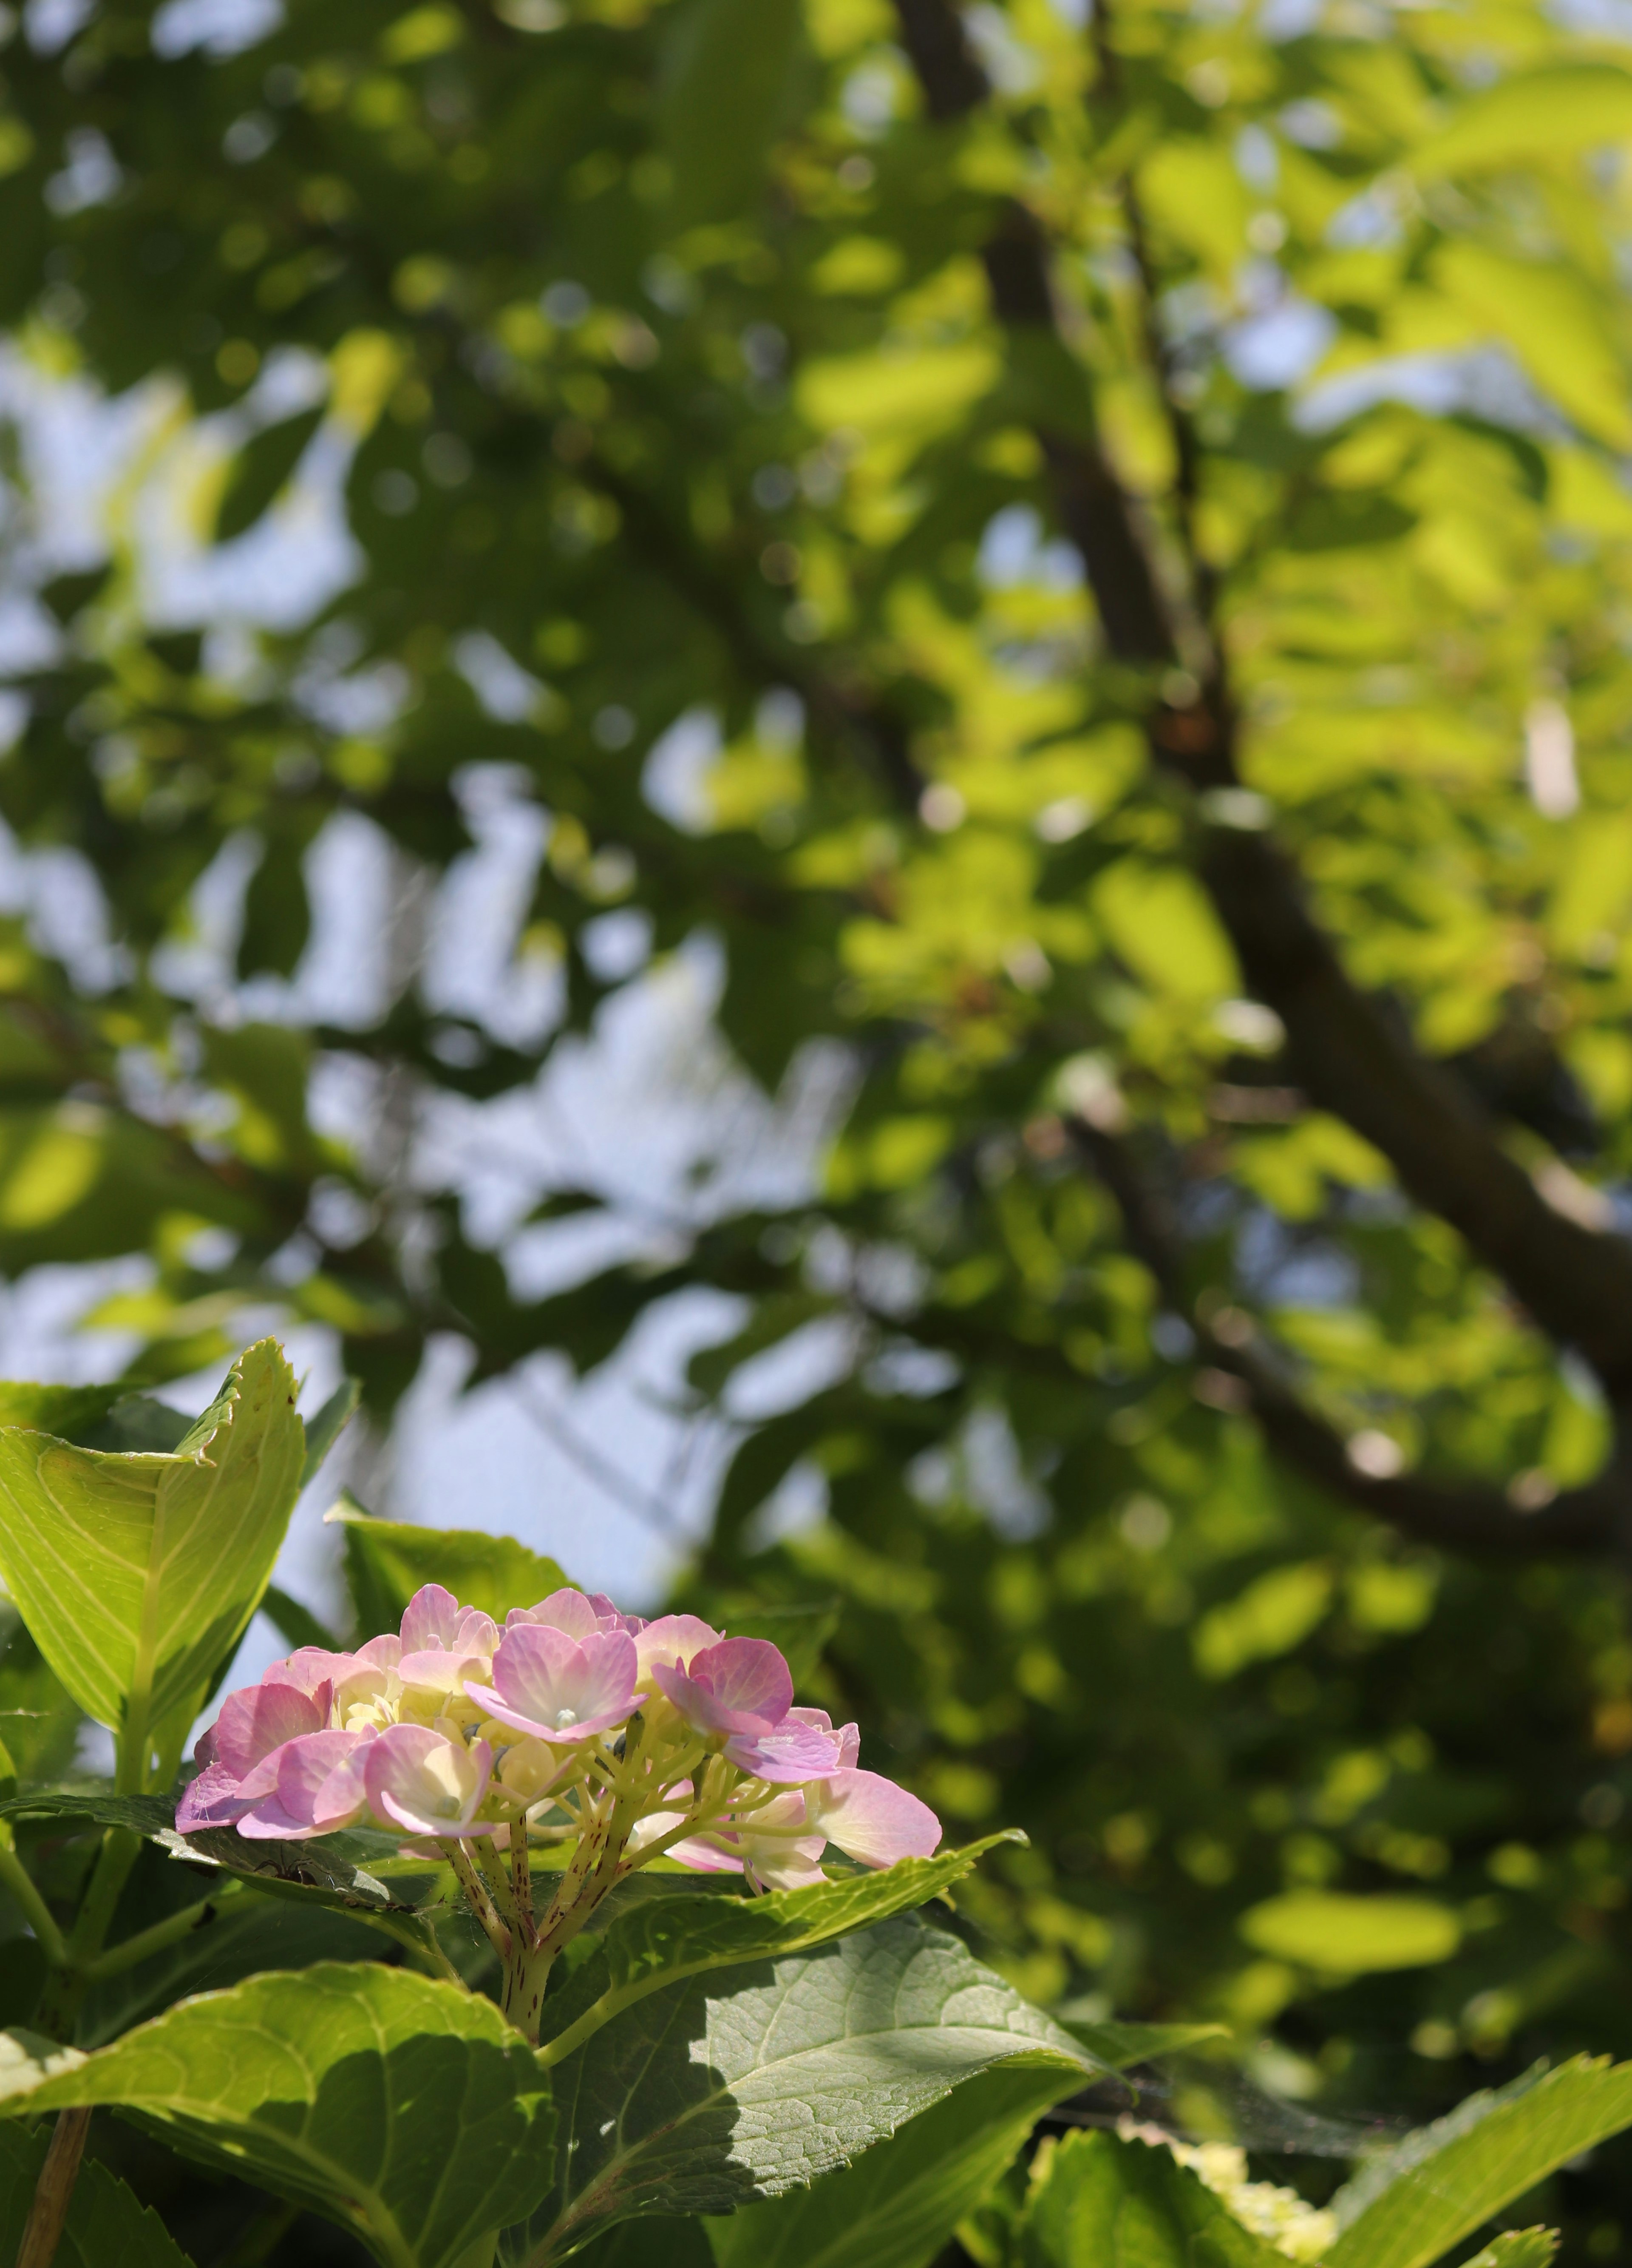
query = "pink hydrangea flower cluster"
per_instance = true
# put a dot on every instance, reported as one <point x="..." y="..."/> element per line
<point x="573" y="1724"/>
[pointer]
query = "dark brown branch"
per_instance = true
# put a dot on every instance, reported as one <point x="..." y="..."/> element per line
<point x="54" y="2192"/>
<point x="1466" y="1517"/>
<point x="1345" y="1050"/>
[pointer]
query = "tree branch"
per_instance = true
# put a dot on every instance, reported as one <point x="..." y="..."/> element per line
<point x="1466" y="1517"/>
<point x="1346" y="1050"/>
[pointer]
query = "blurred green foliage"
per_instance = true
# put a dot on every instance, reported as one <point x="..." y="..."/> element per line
<point x="1203" y="1490"/>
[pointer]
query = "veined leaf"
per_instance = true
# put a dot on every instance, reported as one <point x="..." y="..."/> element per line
<point x="899" y="2203"/>
<point x="388" y="1560"/>
<point x="137" y="1573"/>
<point x="107" y="2227"/>
<point x="1436" y="2187"/>
<point x="1127" y="2204"/>
<point x="663" y="1939"/>
<point x="700" y="2099"/>
<point x="360" y="1870"/>
<point x="402" y="2108"/>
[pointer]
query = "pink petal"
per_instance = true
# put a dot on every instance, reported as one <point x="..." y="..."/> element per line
<point x="611" y="1619"/>
<point x="258" y="1719"/>
<point x="747" y="1675"/>
<point x="431" y="1618"/>
<point x="540" y="1675"/>
<point x="303" y="1767"/>
<point x="872" y="1819"/>
<point x="382" y="1652"/>
<point x="309" y="1668"/>
<point x="671" y="1639"/>
<point x="740" y="1685"/>
<point x="405" y="1789"/>
<point x="564" y="1611"/>
<point x="847" y="1737"/>
<point x="215" y="1799"/>
<point x="791" y="1755"/>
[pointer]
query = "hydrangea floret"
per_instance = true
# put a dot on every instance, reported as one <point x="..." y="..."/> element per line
<point x="595" y="1739"/>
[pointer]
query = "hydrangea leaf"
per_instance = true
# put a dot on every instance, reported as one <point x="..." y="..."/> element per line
<point x="704" y="2097"/>
<point x="107" y="2227"/>
<point x="898" y="2205"/>
<point x="660" y="1941"/>
<point x="136" y="1573"/>
<point x="1439" y="2184"/>
<point x="388" y="1560"/>
<point x="1125" y="2205"/>
<point x="400" y="2107"/>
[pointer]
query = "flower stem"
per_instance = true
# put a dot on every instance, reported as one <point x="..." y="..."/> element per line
<point x="54" y="2192"/>
<point x="38" y="1915"/>
<point x="476" y="1890"/>
<point x="131" y="1950"/>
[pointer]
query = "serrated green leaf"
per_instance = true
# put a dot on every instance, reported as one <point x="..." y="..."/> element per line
<point x="107" y="2227"/>
<point x="898" y="2204"/>
<point x="1517" y="2247"/>
<point x="1127" y="2205"/>
<point x="98" y="1807"/>
<point x="361" y="1872"/>
<point x="388" y="1560"/>
<point x="402" y="2108"/>
<point x="136" y="1574"/>
<point x="661" y="1940"/>
<point x="1439" y="2184"/>
<point x="701" y="2098"/>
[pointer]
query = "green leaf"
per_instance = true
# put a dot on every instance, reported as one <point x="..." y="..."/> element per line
<point x="400" y="2107"/>
<point x="106" y="2225"/>
<point x="361" y="1872"/>
<point x="262" y="466"/>
<point x="660" y="1941"/>
<point x="1118" y="2045"/>
<point x="148" y="1815"/>
<point x="1350" y="1936"/>
<point x="1517" y="2247"/>
<point x="388" y="1560"/>
<point x="295" y="1623"/>
<point x="136" y="1574"/>
<point x="699" y="2100"/>
<point x="728" y="65"/>
<point x="328" y="1427"/>
<point x="1536" y="116"/>
<point x="245" y="1937"/>
<point x="1411" y="2204"/>
<point x="898" y="2204"/>
<point x="1127" y="2204"/>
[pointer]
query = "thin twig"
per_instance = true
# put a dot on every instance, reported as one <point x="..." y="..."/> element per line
<point x="54" y="2192"/>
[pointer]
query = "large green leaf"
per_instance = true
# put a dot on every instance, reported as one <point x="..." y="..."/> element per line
<point x="403" y="2108"/>
<point x="388" y="1560"/>
<point x="1517" y="2247"/>
<point x="136" y="1573"/>
<point x="660" y="1941"/>
<point x="1107" y="2204"/>
<point x="1536" y="116"/>
<point x="360" y="1869"/>
<point x="700" y="2099"/>
<point x="106" y="2225"/>
<point x="898" y="2204"/>
<point x="1439" y="2184"/>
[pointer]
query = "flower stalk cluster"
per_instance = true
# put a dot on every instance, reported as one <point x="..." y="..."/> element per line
<point x="589" y="1741"/>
